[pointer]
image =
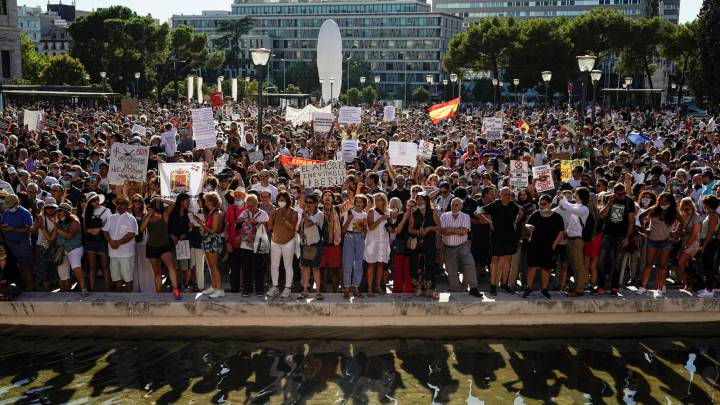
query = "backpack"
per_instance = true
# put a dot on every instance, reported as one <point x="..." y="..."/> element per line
<point x="588" y="229"/>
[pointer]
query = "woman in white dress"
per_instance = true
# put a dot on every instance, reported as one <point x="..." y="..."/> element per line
<point x="377" y="244"/>
<point x="143" y="276"/>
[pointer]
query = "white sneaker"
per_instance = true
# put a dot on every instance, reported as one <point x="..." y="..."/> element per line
<point x="208" y="291"/>
<point x="217" y="293"/>
<point x="705" y="294"/>
<point x="273" y="292"/>
<point x="640" y="291"/>
<point x="658" y="294"/>
<point x="286" y="293"/>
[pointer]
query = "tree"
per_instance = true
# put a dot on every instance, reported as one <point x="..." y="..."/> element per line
<point x="33" y="62"/>
<point x="358" y="69"/>
<point x="354" y="96"/>
<point x="420" y="94"/>
<point x="681" y="46"/>
<point x="231" y="32"/>
<point x="292" y="89"/>
<point x="709" y="38"/>
<point x="301" y="74"/>
<point x="600" y="32"/>
<point x="62" y="70"/>
<point x="485" y="46"/>
<point x="369" y="95"/>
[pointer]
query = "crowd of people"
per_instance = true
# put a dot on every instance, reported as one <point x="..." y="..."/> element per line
<point x="641" y="198"/>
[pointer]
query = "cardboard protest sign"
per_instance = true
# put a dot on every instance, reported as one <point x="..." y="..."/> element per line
<point x="543" y="178"/>
<point x="32" y="119"/>
<point x="51" y="123"/>
<point x="203" y="125"/>
<point x="349" y="115"/>
<point x="256" y="155"/>
<point x="389" y="113"/>
<point x="322" y="123"/>
<point x="129" y="106"/>
<point x="176" y="178"/>
<point x="492" y="127"/>
<point x="297" y="161"/>
<point x="216" y="99"/>
<point x="128" y="163"/>
<point x="566" y="167"/>
<point x="349" y="149"/>
<point x="138" y="129"/>
<point x="403" y="153"/>
<point x="323" y="174"/>
<point x="426" y="150"/>
<point x="167" y="139"/>
<point x="220" y="163"/>
<point x="518" y="175"/>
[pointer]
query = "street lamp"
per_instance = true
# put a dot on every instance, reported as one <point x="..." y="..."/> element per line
<point x="429" y="80"/>
<point x="628" y="84"/>
<point x="546" y="76"/>
<point x="348" y="76"/>
<point x="445" y="83"/>
<point x="247" y="79"/>
<point x="377" y="84"/>
<point x="500" y="90"/>
<point x="495" y="83"/>
<point x="103" y="76"/>
<point x="594" y="76"/>
<point x="284" y="82"/>
<point x="515" y="84"/>
<point x="585" y="64"/>
<point x="332" y="82"/>
<point x="220" y="81"/>
<point x="362" y="79"/>
<point x="453" y="80"/>
<point x="260" y="57"/>
<point x="377" y="79"/>
<point x="137" y="84"/>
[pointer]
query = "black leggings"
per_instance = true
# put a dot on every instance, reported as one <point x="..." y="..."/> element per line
<point x="708" y="259"/>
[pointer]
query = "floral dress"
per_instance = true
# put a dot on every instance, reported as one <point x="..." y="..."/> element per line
<point x="212" y="242"/>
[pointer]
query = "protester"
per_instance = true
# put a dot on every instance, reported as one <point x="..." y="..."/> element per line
<point x="120" y="230"/>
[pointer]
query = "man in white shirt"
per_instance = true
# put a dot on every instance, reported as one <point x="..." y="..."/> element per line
<point x="454" y="228"/>
<point x="265" y="185"/>
<point x="120" y="230"/>
<point x="578" y="218"/>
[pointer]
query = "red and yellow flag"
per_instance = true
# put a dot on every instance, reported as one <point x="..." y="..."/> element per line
<point x="296" y="161"/>
<point x="523" y="125"/>
<point x="439" y="112"/>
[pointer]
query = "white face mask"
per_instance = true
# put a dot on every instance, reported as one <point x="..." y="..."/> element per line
<point x="282" y="204"/>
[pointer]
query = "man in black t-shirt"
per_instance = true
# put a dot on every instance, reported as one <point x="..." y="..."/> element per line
<point x="618" y="213"/>
<point x="400" y="191"/>
<point x="502" y="215"/>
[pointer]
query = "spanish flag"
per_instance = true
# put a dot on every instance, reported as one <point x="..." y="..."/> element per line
<point x="439" y="112"/>
<point x="523" y="125"/>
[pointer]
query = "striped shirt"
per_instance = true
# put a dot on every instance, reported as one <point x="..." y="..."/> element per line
<point x="448" y="220"/>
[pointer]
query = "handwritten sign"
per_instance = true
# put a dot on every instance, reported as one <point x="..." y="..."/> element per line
<point x="518" y="175"/>
<point x="543" y="178"/>
<point x="167" y="139"/>
<point x="566" y="167"/>
<point x="32" y="118"/>
<point x="182" y="250"/>
<point x="389" y="113"/>
<point x="220" y="163"/>
<point x="128" y="163"/>
<point x="139" y="129"/>
<point x="492" y="128"/>
<point x="256" y="156"/>
<point x="323" y="174"/>
<point x="349" y="149"/>
<point x="403" y="153"/>
<point x="349" y="115"/>
<point x="203" y="126"/>
<point x="322" y="123"/>
<point x="426" y="150"/>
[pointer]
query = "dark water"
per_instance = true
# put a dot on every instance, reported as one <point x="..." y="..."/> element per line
<point x="83" y="370"/>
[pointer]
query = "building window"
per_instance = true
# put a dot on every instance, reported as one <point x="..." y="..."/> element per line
<point x="5" y="55"/>
<point x="3" y="10"/>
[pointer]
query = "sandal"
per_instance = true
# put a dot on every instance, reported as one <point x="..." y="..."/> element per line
<point x="346" y="294"/>
<point x="433" y="294"/>
<point x="302" y="295"/>
<point x="379" y="290"/>
<point x="319" y="297"/>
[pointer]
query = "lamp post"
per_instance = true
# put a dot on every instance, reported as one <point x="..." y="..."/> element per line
<point x="332" y="83"/>
<point x="500" y="90"/>
<point x="495" y="83"/>
<point x="284" y="82"/>
<point x="515" y="84"/>
<point x="362" y="80"/>
<point x="445" y="83"/>
<point x="103" y="76"/>
<point x="87" y="77"/>
<point x="137" y="84"/>
<point x="628" y="84"/>
<point x="672" y="87"/>
<point x="260" y="57"/>
<point x="348" y="75"/>
<point x="220" y="82"/>
<point x="594" y="76"/>
<point x="585" y="64"/>
<point x="453" y="80"/>
<point x="377" y="84"/>
<point x="546" y="76"/>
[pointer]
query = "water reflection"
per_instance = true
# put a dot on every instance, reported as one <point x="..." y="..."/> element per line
<point x="73" y="370"/>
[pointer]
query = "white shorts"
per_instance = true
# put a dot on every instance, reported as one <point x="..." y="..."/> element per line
<point x="72" y="260"/>
<point x="122" y="268"/>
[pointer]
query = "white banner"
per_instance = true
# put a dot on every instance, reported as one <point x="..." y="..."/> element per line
<point x="190" y="88"/>
<point x="176" y="178"/>
<point x="323" y="174"/>
<point x="199" y="90"/>
<point x="32" y="118"/>
<point x="426" y="150"/>
<point x="182" y="250"/>
<point x="322" y="122"/>
<point x="233" y="89"/>
<point x="543" y="178"/>
<point x="203" y="125"/>
<point x="302" y="116"/>
<point x="167" y="139"/>
<point x="389" y="113"/>
<point x="128" y="162"/>
<point x="138" y="129"/>
<point x="403" y="154"/>
<point x="518" y="175"/>
<point x="349" y="149"/>
<point x="492" y="128"/>
<point x="349" y="115"/>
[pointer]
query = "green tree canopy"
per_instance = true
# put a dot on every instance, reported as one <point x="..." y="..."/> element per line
<point x="292" y="89"/>
<point x="33" y="62"/>
<point x="681" y="47"/>
<point x="370" y="95"/>
<point x="485" y="46"/>
<point x="354" y="96"/>
<point x="709" y="38"/>
<point x="64" y="69"/>
<point x="421" y="94"/>
<point x="600" y="32"/>
<point x="231" y="32"/>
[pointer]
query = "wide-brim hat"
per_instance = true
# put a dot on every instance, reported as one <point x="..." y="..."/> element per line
<point x="93" y="195"/>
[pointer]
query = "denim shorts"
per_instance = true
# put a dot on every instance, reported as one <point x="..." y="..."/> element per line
<point x="658" y="244"/>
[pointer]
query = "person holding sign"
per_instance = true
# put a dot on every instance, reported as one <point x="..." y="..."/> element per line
<point x="377" y="244"/>
<point x="354" y="228"/>
<point x="158" y="248"/>
<point x="311" y="235"/>
<point x="250" y="222"/>
<point x="119" y="231"/>
<point x="213" y="242"/>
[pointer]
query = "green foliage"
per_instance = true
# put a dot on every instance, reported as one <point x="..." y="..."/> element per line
<point x="483" y="90"/>
<point x="709" y="38"/>
<point x="358" y="69"/>
<point x="600" y="32"/>
<point x="354" y="97"/>
<point x="420" y="94"/>
<point x="369" y="95"/>
<point x="231" y="31"/>
<point x="33" y="62"/>
<point x="63" y="69"/>
<point x="485" y="46"/>
<point x="303" y="75"/>
<point x="292" y="89"/>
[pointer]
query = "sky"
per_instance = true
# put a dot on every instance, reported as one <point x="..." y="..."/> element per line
<point x="163" y="10"/>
